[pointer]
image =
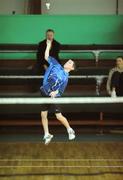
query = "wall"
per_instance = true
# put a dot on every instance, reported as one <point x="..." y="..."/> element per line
<point x="64" y="6"/>
<point x="82" y="7"/>
<point x="69" y="29"/>
<point x="7" y="6"/>
<point x="120" y="6"/>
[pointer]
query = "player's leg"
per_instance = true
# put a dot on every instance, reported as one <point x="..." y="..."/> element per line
<point x="47" y="135"/>
<point x="44" y="118"/>
<point x="65" y="122"/>
<point x="45" y="122"/>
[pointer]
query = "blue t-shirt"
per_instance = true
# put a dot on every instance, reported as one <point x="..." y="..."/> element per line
<point x="55" y="78"/>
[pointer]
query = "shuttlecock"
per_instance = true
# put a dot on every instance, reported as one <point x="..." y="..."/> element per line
<point x="48" y="5"/>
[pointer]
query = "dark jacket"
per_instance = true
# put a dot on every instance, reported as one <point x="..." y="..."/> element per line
<point x="115" y="79"/>
<point x="54" y="52"/>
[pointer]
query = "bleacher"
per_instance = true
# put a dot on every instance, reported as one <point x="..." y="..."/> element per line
<point x="18" y="78"/>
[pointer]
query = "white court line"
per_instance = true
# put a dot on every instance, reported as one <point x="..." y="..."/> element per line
<point x="43" y="160"/>
<point x="61" y="166"/>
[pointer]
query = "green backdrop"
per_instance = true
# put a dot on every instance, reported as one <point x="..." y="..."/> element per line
<point x="87" y="29"/>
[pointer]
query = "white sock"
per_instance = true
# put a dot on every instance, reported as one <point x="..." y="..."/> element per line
<point x="46" y="134"/>
<point x="69" y="129"/>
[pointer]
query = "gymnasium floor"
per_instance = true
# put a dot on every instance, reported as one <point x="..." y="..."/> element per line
<point x="89" y="157"/>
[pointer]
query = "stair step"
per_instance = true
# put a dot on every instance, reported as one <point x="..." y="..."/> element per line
<point x="54" y="122"/>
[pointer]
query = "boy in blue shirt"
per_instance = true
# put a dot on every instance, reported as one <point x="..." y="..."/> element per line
<point x="54" y="84"/>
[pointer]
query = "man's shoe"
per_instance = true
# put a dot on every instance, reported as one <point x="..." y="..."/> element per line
<point x="71" y="134"/>
<point x="48" y="138"/>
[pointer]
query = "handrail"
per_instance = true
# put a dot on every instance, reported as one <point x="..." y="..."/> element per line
<point x="64" y="47"/>
<point x="96" y="50"/>
<point x="38" y="77"/>
<point x="98" y="78"/>
<point x="64" y="100"/>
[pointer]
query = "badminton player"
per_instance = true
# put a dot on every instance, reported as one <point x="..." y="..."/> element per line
<point x="54" y="83"/>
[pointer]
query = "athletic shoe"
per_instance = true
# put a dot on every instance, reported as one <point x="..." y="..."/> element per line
<point x="71" y="134"/>
<point x="48" y="139"/>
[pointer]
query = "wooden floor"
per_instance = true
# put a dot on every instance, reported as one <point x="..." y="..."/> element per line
<point x="61" y="160"/>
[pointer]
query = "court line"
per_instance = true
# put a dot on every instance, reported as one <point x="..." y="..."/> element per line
<point x="43" y="160"/>
<point x="62" y="174"/>
<point x="61" y="166"/>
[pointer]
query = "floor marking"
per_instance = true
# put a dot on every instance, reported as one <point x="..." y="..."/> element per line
<point x="61" y="166"/>
<point x="43" y="160"/>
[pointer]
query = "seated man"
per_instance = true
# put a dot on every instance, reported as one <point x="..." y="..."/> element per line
<point x="54" y="84"/>
<point x="115" y="79"/>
